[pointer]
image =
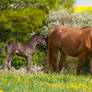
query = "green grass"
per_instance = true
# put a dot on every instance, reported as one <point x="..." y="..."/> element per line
<point x="42" y="82"/>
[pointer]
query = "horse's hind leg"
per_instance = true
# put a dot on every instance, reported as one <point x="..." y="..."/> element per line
<point x="7" y="62"/>
<point x="54" y="57"/>
<point x="61" y="63"/>
<point x="28" y="63"/>
<point x="91" y="67"/>
<point x="79" y="65"/>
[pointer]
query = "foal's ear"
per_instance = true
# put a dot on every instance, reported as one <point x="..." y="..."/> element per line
<point x="38" y="33"/>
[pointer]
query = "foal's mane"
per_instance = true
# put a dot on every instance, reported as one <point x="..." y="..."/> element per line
<point x="34" y="36"/>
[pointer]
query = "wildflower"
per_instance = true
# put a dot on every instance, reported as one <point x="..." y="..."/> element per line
<point x="91" y="81"/>
<point x="42" y="89"/>
<point x="19" y="79"/>
<point x="1" y="90"/>
<point x="9" y="90"/>
<point x="13" y="91"/>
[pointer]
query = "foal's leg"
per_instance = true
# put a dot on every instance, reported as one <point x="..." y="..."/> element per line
<point x="79" y="65"/>
<point x="54" y="59"/>
<point x="28" y="63"/>
<point x="61" y="63"/>
<point x="7" y="62"/>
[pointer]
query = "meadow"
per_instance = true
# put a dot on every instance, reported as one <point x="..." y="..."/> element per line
<point x="16" y="23"/>
<point x="42" y="82"/>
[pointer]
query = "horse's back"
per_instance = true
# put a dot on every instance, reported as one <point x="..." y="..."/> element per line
<point x="64" y="29"/>
<point x="66" y="38"/>
<point x="64" y="32"/>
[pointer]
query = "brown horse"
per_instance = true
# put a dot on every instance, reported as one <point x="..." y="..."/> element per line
<point x="70" y="41"/>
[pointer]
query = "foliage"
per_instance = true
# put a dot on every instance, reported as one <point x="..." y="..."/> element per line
<point x="64" y="17"/>
<point x="18" y="82"/>
<point x="19" y="23"/>
<point x="40" y="56"/>
<point x="42" y="3"/>
<point x="21" y="17"/>
<point x="4" y="4"/>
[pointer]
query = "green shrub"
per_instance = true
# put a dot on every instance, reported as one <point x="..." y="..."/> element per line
<point x="39" y="57"/>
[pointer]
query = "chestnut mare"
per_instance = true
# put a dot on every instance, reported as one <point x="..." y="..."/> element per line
<point x="70" y="41"/>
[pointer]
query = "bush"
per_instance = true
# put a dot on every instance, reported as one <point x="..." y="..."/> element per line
<point x="40" y="56"/>
<point x="67" y="18"/>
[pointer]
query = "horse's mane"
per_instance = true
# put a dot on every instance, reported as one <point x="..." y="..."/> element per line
<point x="85" y="27"/>
<point x="32" y="37"/>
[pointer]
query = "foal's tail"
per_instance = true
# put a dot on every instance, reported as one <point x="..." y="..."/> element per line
<point x="1" y="50"/>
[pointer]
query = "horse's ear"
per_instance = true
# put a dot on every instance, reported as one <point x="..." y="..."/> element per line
<point x="38" y="33"/>
<point x="33" y="33"/>
<point x="88" y="40"/>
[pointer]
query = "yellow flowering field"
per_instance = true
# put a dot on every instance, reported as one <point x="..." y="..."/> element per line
<point x="82" y="8"/>
<point x="42" y="82"/>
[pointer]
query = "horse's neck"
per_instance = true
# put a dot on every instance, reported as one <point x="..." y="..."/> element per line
<point x="33" y="42"/>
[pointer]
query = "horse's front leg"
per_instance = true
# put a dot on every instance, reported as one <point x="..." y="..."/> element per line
<point x="79" y="65"/>
<point x="28" y="63"/>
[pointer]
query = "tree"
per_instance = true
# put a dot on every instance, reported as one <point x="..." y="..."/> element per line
<point x="18" y="18"/>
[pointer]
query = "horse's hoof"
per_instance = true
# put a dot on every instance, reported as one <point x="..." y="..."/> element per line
<point x="61" y="73"/>
<point x="5" y="69"/>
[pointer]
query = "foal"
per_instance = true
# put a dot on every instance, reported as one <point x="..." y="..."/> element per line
<point x="26" y="50"/>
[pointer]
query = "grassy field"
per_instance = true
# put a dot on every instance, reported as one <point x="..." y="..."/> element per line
<point x="42" y="82"/>
<point x="82" y="8"/>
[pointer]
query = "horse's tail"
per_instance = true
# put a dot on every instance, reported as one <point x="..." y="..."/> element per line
<point x="1" y="50"/>
<point x="50" y="51"/>
<point x="49" y="58"/>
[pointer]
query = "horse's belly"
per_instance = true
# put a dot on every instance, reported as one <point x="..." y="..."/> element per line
<point x="72" y="54"/>
<point x="19" y="53"/>
<point x="71" y="51"/>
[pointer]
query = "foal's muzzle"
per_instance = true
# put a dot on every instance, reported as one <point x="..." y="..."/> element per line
<point x="45" y="45"/>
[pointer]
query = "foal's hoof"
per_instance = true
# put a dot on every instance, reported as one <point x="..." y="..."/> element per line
<point x="61" y="72"/>
<point x="28" y="72"/>
<point x="5" y="69"/>
<point x="1" y="67"/>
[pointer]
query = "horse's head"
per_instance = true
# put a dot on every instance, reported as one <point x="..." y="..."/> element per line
<point x="41" y="40"/>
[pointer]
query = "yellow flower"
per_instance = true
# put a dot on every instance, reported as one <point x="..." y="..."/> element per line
<point x="42" y="89"/>
<point x="9" y="90"/>
<point x="91" y="81"/>
<point x="19" y="79"/>
<point x="13" y="91"/>
<point x="1" y="90"/>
